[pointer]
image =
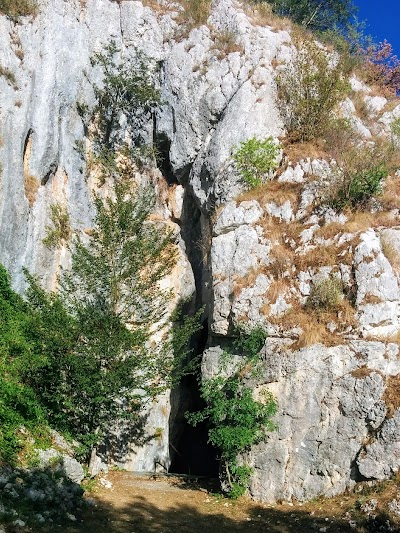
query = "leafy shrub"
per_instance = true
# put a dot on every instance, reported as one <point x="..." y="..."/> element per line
<point x="361" y="172"/>
<point x="236" y="420"/>
<point x="60" y="231"/>
<point x="317" y="15"/>
<point x="381" y="67"/>
<point x="18" y="8"/>
<point x="309" y="88"/>
<point x="256" y="159"/>
<point x="19" y="406"/>
<point x="326" y="295"/>
<point x="127" y="89"/>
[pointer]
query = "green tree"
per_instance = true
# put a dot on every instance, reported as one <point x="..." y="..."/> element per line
<point x="320" y="15"/>
<point x="236" y="419"/>
<point x="19" y="406"/>
<point x="309" y="88"/>
<point x="256" y="159"/>
<point x="102" y="364"/>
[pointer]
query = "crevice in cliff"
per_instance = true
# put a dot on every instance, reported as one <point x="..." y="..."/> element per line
<point x="189" y="448"/>
<point x="162" y="145"/>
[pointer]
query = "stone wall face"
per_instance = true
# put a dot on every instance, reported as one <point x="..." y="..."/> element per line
<point x="261" y="256"/>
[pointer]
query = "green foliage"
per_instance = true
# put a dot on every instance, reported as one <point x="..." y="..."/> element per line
<point x="361" y="172"/>
<point x="18" y="8"/>
<point x="395" y="130"/>
<point x="184" y="327"/>
<point x="236" y="419"/>
<point x="60" y="231"/>
<point x="100" y="365"/>
<point x="360" y="187"/>
<point x="127" y="89"/>
<point x="19" y="406"/>
<point x="326" y="295"/>
<point x="309" y="88"/>
<point x="256" y="159"/>
<point x="317" y="15"/>
<point x="250" y="342"/>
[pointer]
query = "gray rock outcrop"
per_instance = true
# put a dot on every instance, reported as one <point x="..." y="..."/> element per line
<point x="261" y="257"/>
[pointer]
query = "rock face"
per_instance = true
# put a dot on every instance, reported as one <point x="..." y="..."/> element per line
<point x="336" y="379"/>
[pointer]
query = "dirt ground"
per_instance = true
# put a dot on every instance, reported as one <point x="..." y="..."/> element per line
<point x="169" y="505"/>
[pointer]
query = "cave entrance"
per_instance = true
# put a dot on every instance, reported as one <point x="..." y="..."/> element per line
<point x="190" y="451"/>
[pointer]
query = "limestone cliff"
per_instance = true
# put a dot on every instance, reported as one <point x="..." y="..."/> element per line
<point x="252" y="259"/>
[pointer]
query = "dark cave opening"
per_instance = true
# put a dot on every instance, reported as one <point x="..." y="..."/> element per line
<point x="190" y="451"/>
<point x="163" y="145"/>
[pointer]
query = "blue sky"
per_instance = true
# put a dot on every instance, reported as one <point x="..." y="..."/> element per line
<point x="383" y="20"/>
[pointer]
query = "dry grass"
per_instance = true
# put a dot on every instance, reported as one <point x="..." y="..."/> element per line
<point x="303" y="150"/>
<point x="225" y="43"/>
<point x="329" y="231"/>
<point x="390" y="198"/>
<point x="32" y="185"/>
<point x="195" y="13"/>
<point x="277" y="288"/>
<point x="248" y="280"/>
<point x="358" y="221"/>
<point x="321" y="256"/>
<point x="313" y="327"/>
<point x="363" y="110"/>
<point x="274" y="191"/>
<point x="262" y="15"/>
<point x="371" y="299"/>
<point x="361" y="373"/>
<point x="283" y="259"/>
<point x="9" y="76"/>
<point x="391" y="396"/>
<point x="391" y="253"/>
<point x="287" y="234"/>
<point x="161" y="8"/>
<point x="18" y="8"/>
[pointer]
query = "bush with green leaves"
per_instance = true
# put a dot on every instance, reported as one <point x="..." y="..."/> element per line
<point x="317" y="15"/>
<point x="20" y="408"/>
<point x="309" y="89"/>
<point x="102" y="365"/>
<point x="256" y="159"/>
<point x="235" y="418"/>
<point x="326" y="295"/>
<point x="127" y="89"/>
<point x="360" y="174"/>
<point x="60" y="230"/>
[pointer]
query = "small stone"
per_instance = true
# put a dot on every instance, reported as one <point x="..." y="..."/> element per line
<point x="105" y="483"/>
<point x="19" y="523"/>
<point x="71" y="517"/>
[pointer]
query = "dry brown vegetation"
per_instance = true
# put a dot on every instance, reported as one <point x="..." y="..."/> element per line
<point x="283" y="258"/>
<point x="32" y="185"/>
<point x="391" y="396"/>
<point x="18" y="8"/>
<point x="391" y="253"/>
<point x="158" y="7"/>
<point x="225" y="43"/>
<point x="314" y="325"/>
<point x="243" y="282"/>
<point x="195" y="13"/>
<point x="274" y="191"/>
<point x="8" y="75"/>
<point x="296" y="152"/>
<point x="262" y="15"/>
